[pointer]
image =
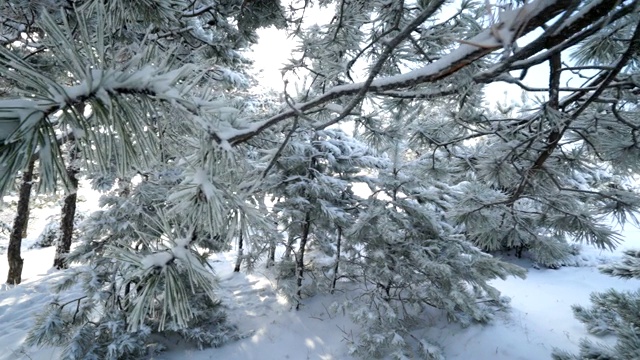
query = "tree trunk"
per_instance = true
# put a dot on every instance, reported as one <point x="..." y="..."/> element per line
<point x="300" y="258"/>
<point x="337" y="265"/>
<point x="68" y="212"/>
<point x="271" y="257"/>
<point x="20" y="221"/>
<point x="24" y="227"/>
<point x="240" y="253"/>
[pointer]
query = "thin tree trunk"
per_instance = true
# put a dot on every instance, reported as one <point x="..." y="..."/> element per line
<point x="300" y="258"/>
<point x="337" y="265"/>
<point x="20" y="221"/>
<point x="240" y="253"/>
<point x="287" y="251"/>
<point x="68" y="212"/>
<point x="271" y="257"/>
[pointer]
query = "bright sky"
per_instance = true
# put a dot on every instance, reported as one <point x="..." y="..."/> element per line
<point x="270" y="54"/>
<point x="274" y="48"/>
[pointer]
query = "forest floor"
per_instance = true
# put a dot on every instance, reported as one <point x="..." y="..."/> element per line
<point x="540" y="317"/>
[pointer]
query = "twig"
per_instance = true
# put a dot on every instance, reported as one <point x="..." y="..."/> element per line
<point x="386" y="53"/>
<point x="327" y="311"/>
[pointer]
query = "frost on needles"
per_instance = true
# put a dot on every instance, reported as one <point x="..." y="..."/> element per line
<point x="140" y="270"/>
<point x="390" y="97"/>
<point x="613" y="313"/>
<point x="135" y="281"/>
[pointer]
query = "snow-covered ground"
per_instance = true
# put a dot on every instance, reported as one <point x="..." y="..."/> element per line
<point x="539" y="320"/>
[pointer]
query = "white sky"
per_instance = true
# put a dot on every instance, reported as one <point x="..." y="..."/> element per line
<point x="270" y="54"/>
<point x="274" y="49"/>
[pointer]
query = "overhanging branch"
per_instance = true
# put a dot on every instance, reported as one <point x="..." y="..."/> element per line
<point x="537" y="13"/>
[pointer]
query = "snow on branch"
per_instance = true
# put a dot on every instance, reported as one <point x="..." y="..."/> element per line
<point x="175" y="290"/>
<point x="512" y="25"/>
<point x="563" y="34"/>
<point x="27" y="125"/>
<point x="18" y="116"/>
<point x="161" y="259"/>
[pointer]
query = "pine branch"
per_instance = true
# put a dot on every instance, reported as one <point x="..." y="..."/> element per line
<point x="538" y="13"/>
<point x="602" y="82"/>
<point x="113" y="83"/>
<point x="590" y="23"/>
<point x="386" y="53"/>
<point x="628" y="268"/>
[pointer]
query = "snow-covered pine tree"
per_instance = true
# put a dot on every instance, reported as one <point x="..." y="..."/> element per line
<point x="135" y="64"/>
<point x="541" y="222"/>
<point x="565" y="162"/>
<point x="611" y="313"/>
<point x="405" y="257"/>
<point x="139" y="275"/>
<point x="548" y="171"/>
<point x="139" y="53"/>
<point x="312" y="183"/>
<point x="156" y="100"/>
<point x="565" y="200"/>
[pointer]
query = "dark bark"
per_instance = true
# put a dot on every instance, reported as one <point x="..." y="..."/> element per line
<point x="19" y="223"/>
<point x="519" y="250"/>
<point x="601" y="81"/>
<point x="68" y="213"/>
<point x="240" y="253"/>
<point x="300" y="258"/>
<point x="24" y="228"/>
<point x="337" y="265"/>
